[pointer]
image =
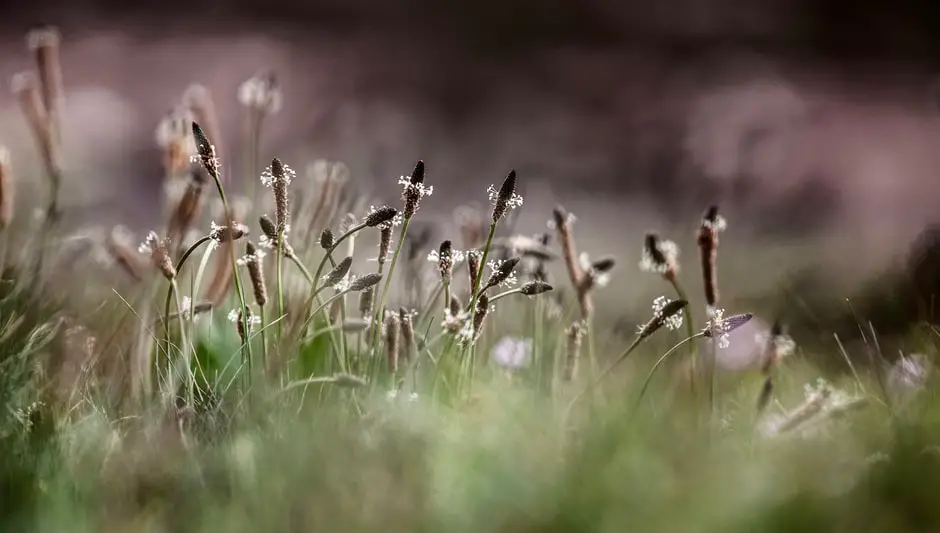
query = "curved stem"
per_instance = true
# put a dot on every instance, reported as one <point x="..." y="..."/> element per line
<point x="689" y="329"/>
<point x="303" y="269"/>
<point x="659" y="362"/>
<point x="328" y="254"/>
<point x="169" y="291"/>
<point x="505" y="294"/>
<point x="246" y="347"/>
<point x="475" y="297"/>
<point x="636" y="342"/>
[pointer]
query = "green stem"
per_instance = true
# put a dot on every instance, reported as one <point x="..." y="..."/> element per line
<point x="470" y="361"/>
<point x="689" y="330"/>
<point x="264" y="342"/>
<point x="636" y="342"/>
<point x="280" y="286"/>
<point x="388" y="281"/>
<point x="659" y="362"/>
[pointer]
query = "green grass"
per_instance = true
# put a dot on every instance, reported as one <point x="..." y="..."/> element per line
<point x="114" y="419"/>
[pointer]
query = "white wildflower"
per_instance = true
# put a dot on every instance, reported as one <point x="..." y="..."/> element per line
<point x="670" y="254"/>
<point x="718" y="327"/>
<point x="601" y="279"/>
<point x="512" y="353"/>
<point x="149" y="243"/>
<point x="456" y="256"/>
<point x="494" y="268"/>
<point x="395" y="221"/>
<point x="419" y="189"/>
<point x="672" y="323"/>
<point x="570" y="217"/>
<point x="253" y="320"/>
<point x="719" y="224"/>
<point x="249" y="259"/>
<point x="515" y="201"/>
<point x="186" y="307"/>
<point x="268" y="179"/>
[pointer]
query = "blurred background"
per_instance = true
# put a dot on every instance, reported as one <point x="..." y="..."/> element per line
<point x="813" y="123"/>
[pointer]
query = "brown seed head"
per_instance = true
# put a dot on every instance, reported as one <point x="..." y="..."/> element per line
<point x="659" y="319"/>
<point x="326" y="239"/>
<point x="338" y="272"/>
<point x="483" y="307"/>
<point x="473" y="264"/>
<point x="385" y="243"/>
<point x="365" y="302"/>
<point x="256" y="272"/>
<point x="533" y="288"/>
<point x="407" y="331"/>
<point x="503" y="270"/>
<point x="232" y="232"/>
<point x="506" y="193"/>
<point x="413" y="191"/>
<point x="445" y="261"/>
<point x="365" y="282"/>
<point x="281" y="198"/>
<point x="392" y="327"/>
<point x="380" y="216"/>
<point x="206" y="151"/>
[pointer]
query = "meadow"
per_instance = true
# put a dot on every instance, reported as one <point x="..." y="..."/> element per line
<point x="285" y="353"/>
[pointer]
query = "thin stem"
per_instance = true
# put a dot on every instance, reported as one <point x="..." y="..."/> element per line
<point x="504" y="294"/>
<point x="475" y="298"/>
<point x="246" y="347"/>
<point x="303" y="269"/>
<point x="689" y="329"/>
<point x="169" y="290"/>
<point x="280" y="286"/>
<point x="388" y="279"/>
<point x="659" y="362"/>
<point x="264" y="342"/>
<point x="328" y="254"/>
<point x="190" y="378"/>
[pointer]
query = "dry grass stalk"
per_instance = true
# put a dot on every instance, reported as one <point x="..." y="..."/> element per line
<point x="188" y="209"/>
<point x="392" y="328"/>
<point x="44" y="43"/>
<point x="575" y="337"/>
<point x="7" y="189"/>
<point x="27" y="91"/>
<point x="122" y="252"/>
<point x="159" y="252"/>
<point x="707" y="239"/>
<point x="580" y="279"/>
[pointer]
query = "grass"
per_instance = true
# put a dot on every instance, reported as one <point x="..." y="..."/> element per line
<point x="156" y="412"/>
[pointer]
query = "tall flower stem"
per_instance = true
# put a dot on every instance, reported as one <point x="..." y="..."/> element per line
<point x="280" y="286"/>
<point x="388" y="281"/>
<point x="170" y="289"/>
<point x="659" y="362"/>
<point x="689" y="328"/>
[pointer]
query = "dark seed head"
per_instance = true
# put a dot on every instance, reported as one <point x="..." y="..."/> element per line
<point x="365" y="282"/>
<point x="417" y="175"/>
<point x="535" y="287"/>
<point x="380" y="216"/>
<point x="506" y="192"/>
<point x="326" y="239"/>
<point x="729" y="324"/>
<point x="339" y="271"/>
<point x="268" y="227"/>
<point x="603" y="265"/>
<point x="502" y="273"/>
<point x="669" y="310"/>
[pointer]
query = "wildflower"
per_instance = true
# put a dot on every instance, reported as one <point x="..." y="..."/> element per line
<point x="235" y="316"/>
<point x="206" y="151"/>
<point x="661" y="316"/>
<point x="252" y="259"/>
<point x="272" y="175"/>
<point x="719" y="327"/>
<point x="660" y="256"/>
<point x="158" y="250"/>
<point x="512" y="353"/>
<point x="338" y="273"/>
<point x="503" y="273"/>
<point x="382" y="217"/>
<point x="445" y="257"/>
<point x="505" y="198"/>
<point x="414" y="189"/>
<point x="261" y="93"/>
<point x="671" y="323"/>
<point x="222" y="234"/>
<point x="364" y="283"/>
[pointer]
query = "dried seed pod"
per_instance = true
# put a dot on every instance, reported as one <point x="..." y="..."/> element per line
<point x="506" y="194"/>
<point x="338" y="272"/>
<point x="533" y="288"/>
<point x="380" y="216"/>
<point x="392" y="327"/>
<point x="502" y="272"/>
<point x="659" y="319"/>
<point x="326" y="239"/>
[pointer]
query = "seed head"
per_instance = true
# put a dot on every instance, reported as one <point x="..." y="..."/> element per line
<point x="445" y="261"/>
<point x="255" y="270"/>
<point x="407" y="331"/>
<point x="473" y="263"/>
<point x="707" y="240"/>
<point x="326" y="239"/>
<point x="338" y="273"/>
<point x="660" y="318"/>
<point x="278" y="176"/>
<point x="502" y="273"/>
<point x="223" y="234"/>
<point x="413" y="190"/>
<point x="206" y="151"/>
<point x="362" y="284"/>
<point x="382" y="217"/>
<point x="237" y="316"/>
<point x="533" y="288"/>
<point x="505" y="198"/>
<point x="269" y="237"/>
<point x="483" y="307"/>
<point x="158" y="250"/>
<point x="719" y="327"/>
<point x="660" y="256"/>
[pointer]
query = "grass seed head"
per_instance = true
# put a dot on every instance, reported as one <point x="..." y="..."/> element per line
<point x="407" y="331"/>
<point x="159" y="252"/>
<point x="206" y="151"/>
<point x="506" y="198"/>
<point x="361" y="284"/>
<point x="229" y="233"/>
<point x="535" y="287"/>
<point x="473" y="265"/>
<point x="445" y="261"/>
<point x="338" y="272"/>
<point x="326" y="239"/>
<point x="707" y="240"/>
<point x="392" y="327"/>
<point x="413" y="190"/>
<point x="256" y="272"/>
<point x="660" y="318"/>
<point x="502" y="273"/>
<point x="381" y="216"/>
<point x="365" y="300"/>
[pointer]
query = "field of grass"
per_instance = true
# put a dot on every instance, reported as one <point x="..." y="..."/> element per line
<point x="309" y="361"/>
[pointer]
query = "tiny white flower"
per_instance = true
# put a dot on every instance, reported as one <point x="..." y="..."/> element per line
<point x="494" y="267"/>
<point x="718" y="327"/>
<point x="512" y="353"/>
<point x="233" y="315"/>
<point x="149" y="243"/>
<point x="456" y="256"/>
<point x="248" y="259"/>
<point x="670" y="252"/>
<point x="672" y="323"/>
<point x="601" y="279"/>
<point x="421" y="189"/>
<point x="515" y="201"/>
<point x="186" y="306"/>
<point x="571" y="219"/>
<point x="268" y="179"/>
<point x="719" y="224"/>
